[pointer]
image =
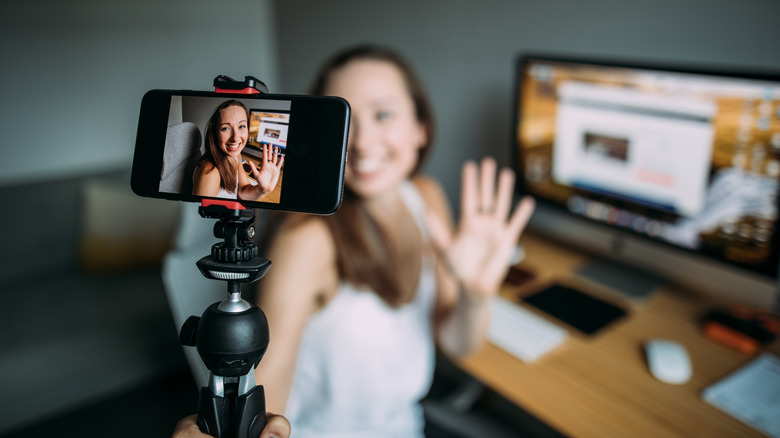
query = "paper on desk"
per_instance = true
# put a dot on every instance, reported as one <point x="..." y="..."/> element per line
<point x="751" y="394"/>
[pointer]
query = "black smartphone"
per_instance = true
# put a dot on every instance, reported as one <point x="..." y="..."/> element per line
<point x="305" y="136"/>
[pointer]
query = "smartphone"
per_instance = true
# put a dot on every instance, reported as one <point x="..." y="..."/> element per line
<point x="305" y="135"/>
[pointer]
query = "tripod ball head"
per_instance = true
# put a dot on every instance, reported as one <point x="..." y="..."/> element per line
<point x="229" y="343"/>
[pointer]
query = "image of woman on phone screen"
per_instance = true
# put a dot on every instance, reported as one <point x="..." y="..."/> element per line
<point x="219" y="172"/>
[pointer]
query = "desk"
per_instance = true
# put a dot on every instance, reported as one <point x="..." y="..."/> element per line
<point x="601" y="386"/>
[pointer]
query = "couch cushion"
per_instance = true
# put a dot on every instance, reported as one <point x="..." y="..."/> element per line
<point x="121" y="230"/>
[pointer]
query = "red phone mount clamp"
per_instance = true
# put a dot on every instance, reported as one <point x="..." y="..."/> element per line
<point x="250" y="85"/>
<point x="218" y="208"/>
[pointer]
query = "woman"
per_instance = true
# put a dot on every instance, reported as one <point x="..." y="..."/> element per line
<point x="357" y="301"/>
<point x="219" y="172"/>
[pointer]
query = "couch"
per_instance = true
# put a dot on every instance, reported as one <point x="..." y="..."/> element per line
<point x="83" y="311"/>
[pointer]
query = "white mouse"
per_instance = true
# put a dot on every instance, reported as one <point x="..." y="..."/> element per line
<point x="668" y="361"/>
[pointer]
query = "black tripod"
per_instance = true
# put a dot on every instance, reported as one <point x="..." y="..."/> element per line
<point x="231" y="336"/>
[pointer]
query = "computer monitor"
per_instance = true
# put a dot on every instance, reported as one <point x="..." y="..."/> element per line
<point x="267" y="127"/>
<point x="670" y="171"/>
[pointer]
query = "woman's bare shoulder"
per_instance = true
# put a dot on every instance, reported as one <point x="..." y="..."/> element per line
<point x="206" y="179"/>
<point x="205" y="168"/>
<point x="298" y="224"/>
<point x="303" y="261"/>
<point x="305" y="238"/>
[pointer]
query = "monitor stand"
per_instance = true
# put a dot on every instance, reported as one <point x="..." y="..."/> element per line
<point x="635" y="284"/>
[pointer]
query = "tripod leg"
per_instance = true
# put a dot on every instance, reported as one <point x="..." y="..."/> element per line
<point x="250" y="411"/>
<point x="213" y="414"/>
<point x="231" y="416"/>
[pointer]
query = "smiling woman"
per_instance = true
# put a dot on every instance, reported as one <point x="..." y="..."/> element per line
<point x="217" y="172"/>
<point x="388" y="277"/>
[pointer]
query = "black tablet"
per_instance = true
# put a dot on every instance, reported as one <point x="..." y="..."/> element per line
<point x="575" y="308"/>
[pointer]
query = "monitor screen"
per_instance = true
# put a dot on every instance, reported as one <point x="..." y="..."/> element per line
<point x="687" y="158"/>
<point x="267" y="127"/>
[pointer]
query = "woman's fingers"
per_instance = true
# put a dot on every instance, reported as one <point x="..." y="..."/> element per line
<point x="276" y="426"/>
<point x="521" y="215"/>
<point x="272" y="156"/>
<point x="486" y="190"/>
<point x="187" y="427"/>
<point x="266" y="154"/>
<point x="505" y="194"/>
<point x="469" y="194"/>
<point x="256" y="171"/>
<point x="479" y="194"/>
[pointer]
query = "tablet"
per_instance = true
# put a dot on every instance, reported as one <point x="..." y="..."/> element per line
<point x="575" y="308"/>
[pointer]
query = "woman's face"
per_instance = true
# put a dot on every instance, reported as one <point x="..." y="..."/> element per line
<point x="233" y="130"/>
<point x="385" y="135"/>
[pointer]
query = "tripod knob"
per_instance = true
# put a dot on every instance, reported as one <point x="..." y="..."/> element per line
<point x="242" y="253"/>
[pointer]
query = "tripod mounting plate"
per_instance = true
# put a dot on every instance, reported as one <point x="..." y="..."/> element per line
<point x="244" y="272"/>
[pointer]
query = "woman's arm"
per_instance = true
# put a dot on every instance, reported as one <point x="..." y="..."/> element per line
<point x="474" y="256"/>
<point x="447" y="293"/>
<point x="303" y="271"/>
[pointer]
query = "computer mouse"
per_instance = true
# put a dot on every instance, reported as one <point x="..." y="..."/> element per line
<point x="668" y="361"/>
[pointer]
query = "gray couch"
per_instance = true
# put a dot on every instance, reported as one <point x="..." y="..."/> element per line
<point x="83" y="312"/>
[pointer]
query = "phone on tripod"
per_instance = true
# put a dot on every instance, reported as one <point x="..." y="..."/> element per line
<point x="305" y="136"/>
<point x="234" y="152"/>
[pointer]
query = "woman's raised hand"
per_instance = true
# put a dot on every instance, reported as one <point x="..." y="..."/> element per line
<point x="268" y="175"/>
<point x="479" y="250"/>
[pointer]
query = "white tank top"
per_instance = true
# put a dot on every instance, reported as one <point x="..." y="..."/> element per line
<point x="362" y="365"/>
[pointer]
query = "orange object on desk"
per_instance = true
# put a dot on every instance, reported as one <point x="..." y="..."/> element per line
<point x="730" y="337"/>
<point x="742" y="328"/>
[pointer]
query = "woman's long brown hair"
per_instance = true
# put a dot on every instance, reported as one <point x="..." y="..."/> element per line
<point x="365" y="255"/>
<point x="214" y="154"/>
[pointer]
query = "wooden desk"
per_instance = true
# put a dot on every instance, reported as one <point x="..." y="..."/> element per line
<point x="601" y="386"/>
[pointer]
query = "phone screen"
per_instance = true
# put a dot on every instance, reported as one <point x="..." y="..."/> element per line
<point x="303" y="136"/>
<point x="266" y="125"/>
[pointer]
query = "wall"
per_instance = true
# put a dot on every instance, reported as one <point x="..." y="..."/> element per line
<point x="74" y="73"/>
<point x="465" y="50"/>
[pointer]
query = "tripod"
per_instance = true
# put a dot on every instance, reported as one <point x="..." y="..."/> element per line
<point x="231" y="336"/>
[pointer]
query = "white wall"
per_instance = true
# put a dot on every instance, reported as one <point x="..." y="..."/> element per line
<point x="74" y="73"/>
<point x="465" y="50"/>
